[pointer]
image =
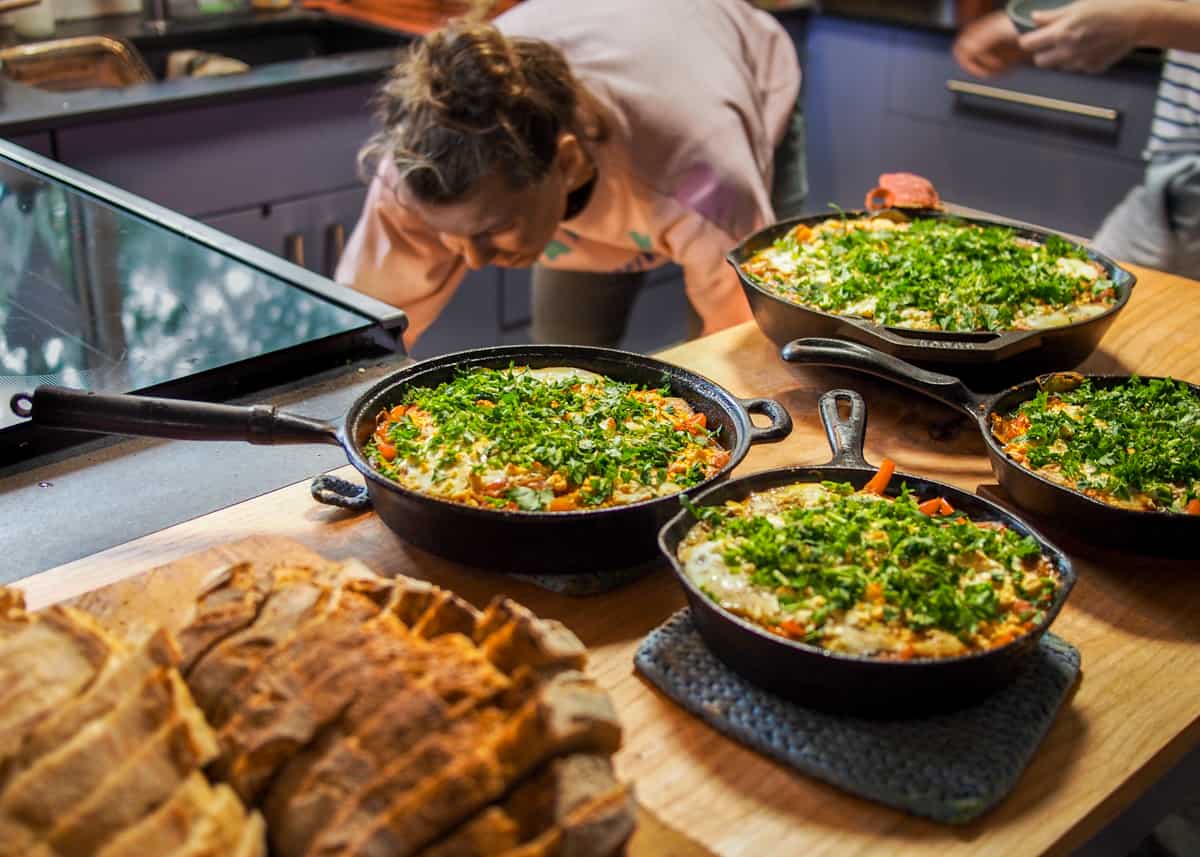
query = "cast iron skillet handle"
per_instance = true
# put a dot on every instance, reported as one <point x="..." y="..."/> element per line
<point x="335" y="491"/>
<point x="1004" y="345"/>
<point x="79" y="410"/>
<point x="845" y="435"/>
<point x="816" y="351"/>
<point x="781" y="420"/>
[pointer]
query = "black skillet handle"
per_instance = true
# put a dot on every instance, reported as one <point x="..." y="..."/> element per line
<point x="335" y="491"/>
<point x="146" y="416"/>
<point x="845" y="435"/>
<point x="817" y="351"/>
<point x="781" y="420"/>
<point x="1000" y="347"/>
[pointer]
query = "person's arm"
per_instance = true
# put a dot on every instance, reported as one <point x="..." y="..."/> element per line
<point x="699" y="248"/>
<point x="1091" y="35"/>
<point x="393" y="257"/>
<point x="1171" y="24"/>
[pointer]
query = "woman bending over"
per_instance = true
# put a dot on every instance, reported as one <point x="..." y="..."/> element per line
<point x="591" y="141"/>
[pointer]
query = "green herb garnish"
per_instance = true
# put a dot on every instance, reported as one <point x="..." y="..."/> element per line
<point x="590" y="437"/>
<point x="925" y="570"/>
<point x="1137" y="441"/>
<point x="935" y="273"/>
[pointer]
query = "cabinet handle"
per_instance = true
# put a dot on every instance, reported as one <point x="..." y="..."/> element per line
<point x="1025" y="99"/>
<point x="335" y="245"/>
<point x="293" y="248"/>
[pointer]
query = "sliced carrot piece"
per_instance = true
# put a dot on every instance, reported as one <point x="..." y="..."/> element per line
<point x="385" y="449"/>
<point x="565" y="503"/>
<point x="930" y="507"/>
<point x="792" y="628"/>
<point x="880" y="480"/>
<point x="874" y="591"/>
<point x="694" y="424"/>
<point x="1193" y="506"/>
<point x="397" y="413"/>
<point x="802" y="233"/>
<point x="937" y="506"/>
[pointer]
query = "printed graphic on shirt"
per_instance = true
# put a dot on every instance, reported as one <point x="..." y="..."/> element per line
<point x="555" y="249"/>
<point x="641" y="259"/>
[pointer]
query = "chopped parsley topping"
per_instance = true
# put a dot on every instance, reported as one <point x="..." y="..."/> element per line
<point x="512" y="438"/>
<point x="932" y="273"/>
<point x="1138" y="441"/>
<point x="917" y="571"/>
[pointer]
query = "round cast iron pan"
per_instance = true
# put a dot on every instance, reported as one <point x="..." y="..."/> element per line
<point x="516" y="541"/>
<point x="856" y="684"/>
<point x="987" y="360"/>
<point x="1158" y="533"/>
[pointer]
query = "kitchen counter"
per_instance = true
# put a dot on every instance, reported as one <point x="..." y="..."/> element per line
<point x="1130" y="719"/>
<point x="118" y="488"/>
<point x="25" y="109"/>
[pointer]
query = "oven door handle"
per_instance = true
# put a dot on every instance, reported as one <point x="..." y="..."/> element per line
<point x="1028" y="99"/>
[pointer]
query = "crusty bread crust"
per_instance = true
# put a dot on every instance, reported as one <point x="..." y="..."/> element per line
<point x="366" y="716"/>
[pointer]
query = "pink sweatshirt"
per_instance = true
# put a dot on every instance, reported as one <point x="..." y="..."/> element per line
<point x="701" y="92"/>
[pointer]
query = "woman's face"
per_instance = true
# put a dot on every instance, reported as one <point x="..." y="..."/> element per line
<point x="497" y="225"/>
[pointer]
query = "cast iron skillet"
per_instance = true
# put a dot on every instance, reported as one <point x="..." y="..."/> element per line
<point x="845" y="683"/>
<point x="1160" y="533"/>
<point x="988" y="360"/>
<point x="531" y="542"/>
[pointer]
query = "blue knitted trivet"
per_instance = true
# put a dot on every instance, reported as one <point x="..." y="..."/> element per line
<point x="591" y="582"/>
<point x="949" y="767"/>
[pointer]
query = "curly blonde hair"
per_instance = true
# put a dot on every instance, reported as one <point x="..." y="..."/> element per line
<point x="467" y="101"/>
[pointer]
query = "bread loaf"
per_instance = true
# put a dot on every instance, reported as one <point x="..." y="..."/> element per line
<point x="365" y="716"/>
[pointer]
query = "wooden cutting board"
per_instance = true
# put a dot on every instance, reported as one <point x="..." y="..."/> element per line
<point x="162" y="597"/>
<point x="1132" y="618"/>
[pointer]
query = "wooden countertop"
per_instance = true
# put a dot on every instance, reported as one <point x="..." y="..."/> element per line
<point x="1133" y="715"/>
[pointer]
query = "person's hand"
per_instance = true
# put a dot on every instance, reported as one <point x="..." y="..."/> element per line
<point x="988" y="46"/>
<point x="1087" y="35"/>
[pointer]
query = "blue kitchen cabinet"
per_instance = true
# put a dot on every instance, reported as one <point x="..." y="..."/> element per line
<point x="844" y="87"/>
<point x="40" y="143"/>
<point x="1049" y="147"/>
<point x="886" y="99"/>
<point x="310" y="232"/>
<point x="212" y="160"/>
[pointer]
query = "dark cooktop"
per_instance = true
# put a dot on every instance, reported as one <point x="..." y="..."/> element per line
<point x="102" y="291"/>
